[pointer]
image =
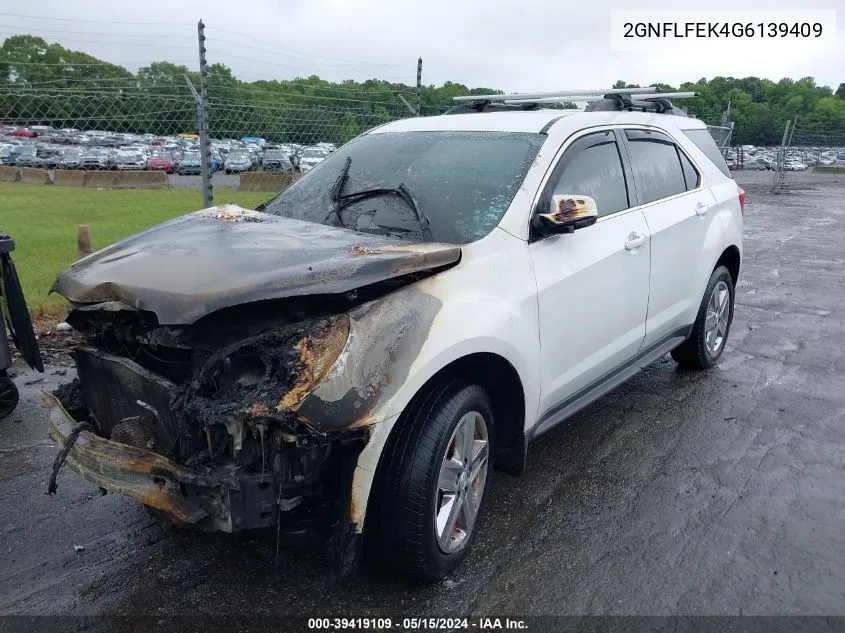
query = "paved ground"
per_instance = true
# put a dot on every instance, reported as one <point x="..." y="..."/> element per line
<point x="699" y="493"/>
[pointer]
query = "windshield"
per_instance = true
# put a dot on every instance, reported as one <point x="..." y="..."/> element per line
<point x="462" y="182"/>
<point x="314" y="153"/>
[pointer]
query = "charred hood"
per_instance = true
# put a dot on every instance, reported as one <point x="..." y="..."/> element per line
<point x="196" y="264"/>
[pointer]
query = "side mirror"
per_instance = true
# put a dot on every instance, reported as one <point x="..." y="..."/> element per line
<point x="567" y="213"/>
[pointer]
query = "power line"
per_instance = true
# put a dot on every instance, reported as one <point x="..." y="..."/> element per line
<point x="139" y="93"/>
<point x="52" y="19"/>
<point x="136" y="81"/>
<point x="291" y="51"/>
<point x="116" y="43"/>
<point x="65" y="32"/>
<point x="250" y="37"/>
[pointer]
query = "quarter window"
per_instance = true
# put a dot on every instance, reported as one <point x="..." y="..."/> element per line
<point x="592" y="166"/>
<point x="656" y="165"/>
<point x="690" y="174"/>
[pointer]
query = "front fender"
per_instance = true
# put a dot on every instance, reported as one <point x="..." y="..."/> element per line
<point x="487" y="304"/>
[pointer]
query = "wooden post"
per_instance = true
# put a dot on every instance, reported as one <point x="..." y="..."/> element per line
<point x="83" y="242"/>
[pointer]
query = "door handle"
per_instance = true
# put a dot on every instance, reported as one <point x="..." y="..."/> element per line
<point x="634" y="241"/>
<point x="701" y="209"/>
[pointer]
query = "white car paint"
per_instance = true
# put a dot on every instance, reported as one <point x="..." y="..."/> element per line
<point x="567" y="309"/>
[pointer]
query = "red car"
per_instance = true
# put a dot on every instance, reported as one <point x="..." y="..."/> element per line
<point x="162" y="162"/>
<point x="22" y="132"/>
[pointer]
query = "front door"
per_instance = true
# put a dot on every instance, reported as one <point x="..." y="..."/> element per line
<point x="593" y="283"/>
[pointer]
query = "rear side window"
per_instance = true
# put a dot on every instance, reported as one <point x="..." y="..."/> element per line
<point x="704" y="141"/>
<point x="656" y="165"/>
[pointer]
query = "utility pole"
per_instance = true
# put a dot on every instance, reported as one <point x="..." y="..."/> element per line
<point x="419" y="86"/>
<point x="202" y="113"/>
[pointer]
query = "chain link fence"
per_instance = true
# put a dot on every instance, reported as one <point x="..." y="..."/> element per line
<point x="259" y="141"/>
<point x="806" y="149"/>
<point x="722" y="135"/>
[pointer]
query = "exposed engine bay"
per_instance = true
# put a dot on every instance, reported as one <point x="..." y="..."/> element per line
<point x="219" y="398"/>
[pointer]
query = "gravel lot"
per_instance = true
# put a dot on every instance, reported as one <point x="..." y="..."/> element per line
<point x="694" y="493"/>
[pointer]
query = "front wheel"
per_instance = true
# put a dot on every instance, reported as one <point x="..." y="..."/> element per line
<point x="713" y="323"/>
<point x="9" y="395"/>
<point x="431" y="488"/>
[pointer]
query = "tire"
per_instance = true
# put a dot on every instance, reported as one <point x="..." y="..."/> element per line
<point x="702" y="349"/>
<point x="408" y="491"/>
<point x="9" y="395"/>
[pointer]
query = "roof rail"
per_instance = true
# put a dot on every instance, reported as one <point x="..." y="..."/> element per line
<point x="640" y="99"/>
<point x="558" y="95"/>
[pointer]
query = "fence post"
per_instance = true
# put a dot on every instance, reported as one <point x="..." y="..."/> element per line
<point x="83" y="241"/>
<point x="781" y="158"/>
<point x="202" y="115"/>
<point x="419" y="86"/>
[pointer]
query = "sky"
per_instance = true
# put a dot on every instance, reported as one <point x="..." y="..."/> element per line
<point x="511" y="45"/>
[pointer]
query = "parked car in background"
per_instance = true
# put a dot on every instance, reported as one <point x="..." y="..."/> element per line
<point x="758" y="164"/>
<point x="71" y="158"/>
<point x="311" y="157"/>
<point x="238" y="162"/>
<point x="22" y="133"/>
<point x="277" y="160"/>
<point x="48" y="157"/>
<point x="130" y="160"/>
<point x="162" y="161"/>
<point x="95" y="158"/>
<point x="191" y="163"/>
<point x="26" y="156"/>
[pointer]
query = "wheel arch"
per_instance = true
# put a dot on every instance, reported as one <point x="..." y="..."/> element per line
<point x="730" y="259"/>
<point x="503" y="384"/>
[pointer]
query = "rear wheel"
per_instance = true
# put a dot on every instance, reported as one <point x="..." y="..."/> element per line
<point x="713" y="323"/>
<point x="431" y="488"/>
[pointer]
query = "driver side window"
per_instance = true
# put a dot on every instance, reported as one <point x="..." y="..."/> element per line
<point x="592" y="166"/>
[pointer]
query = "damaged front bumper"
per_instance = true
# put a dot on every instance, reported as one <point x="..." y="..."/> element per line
<point x="224" y="501"/>
<point x="222" y="461"/>
<point x="134" y="472"/>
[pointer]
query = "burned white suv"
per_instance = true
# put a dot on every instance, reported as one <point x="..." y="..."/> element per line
<point x="361" y="351"/>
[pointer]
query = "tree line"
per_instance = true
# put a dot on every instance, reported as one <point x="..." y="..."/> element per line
<point x="44" y="83"/>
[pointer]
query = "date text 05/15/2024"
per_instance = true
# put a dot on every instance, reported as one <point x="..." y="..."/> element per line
<point x="424" y="624"/>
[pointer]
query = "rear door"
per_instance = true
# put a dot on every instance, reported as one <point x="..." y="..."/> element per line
<point x="679" y="213"/>
<point x="593" y="283"/>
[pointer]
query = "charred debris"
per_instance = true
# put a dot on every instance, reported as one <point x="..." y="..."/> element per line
<point x="219" y="396"/>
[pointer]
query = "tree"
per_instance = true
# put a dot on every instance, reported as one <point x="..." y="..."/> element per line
<point x="49" y="84"/>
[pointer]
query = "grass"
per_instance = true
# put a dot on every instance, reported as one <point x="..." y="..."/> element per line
<point x="43" y="221"/>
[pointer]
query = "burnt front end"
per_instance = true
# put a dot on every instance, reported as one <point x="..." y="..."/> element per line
<point x="201" y="422"/>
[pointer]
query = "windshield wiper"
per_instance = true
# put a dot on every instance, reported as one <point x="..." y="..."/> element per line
<point x="402" y="191"/>
<point x="335" y="204"/>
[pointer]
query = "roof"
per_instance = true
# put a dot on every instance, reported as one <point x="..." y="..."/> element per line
<point x="529" y="121"/>
<point x="519" y="121"/>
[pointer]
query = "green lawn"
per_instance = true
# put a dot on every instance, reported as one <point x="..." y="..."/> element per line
<point x="43" y="221"/>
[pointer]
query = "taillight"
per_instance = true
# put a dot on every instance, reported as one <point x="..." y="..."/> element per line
<point x="741" y="193"/>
